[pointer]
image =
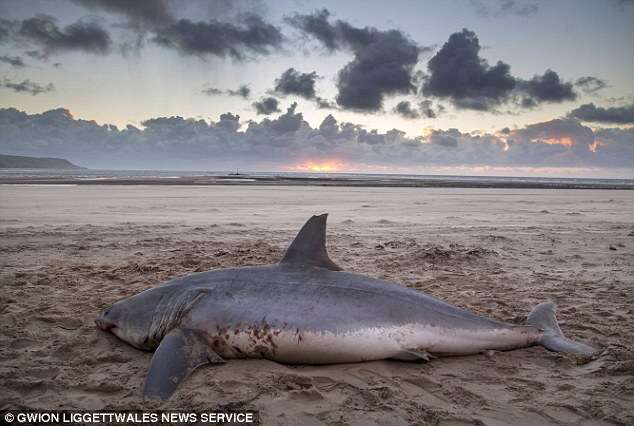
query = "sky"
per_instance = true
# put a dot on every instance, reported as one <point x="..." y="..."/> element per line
<point x="515" y="87"/>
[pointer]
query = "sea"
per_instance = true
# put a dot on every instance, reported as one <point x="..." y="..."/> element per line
<point x="79" y="175"/>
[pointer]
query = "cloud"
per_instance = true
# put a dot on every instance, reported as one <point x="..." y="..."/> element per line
<point x="447" y="138"/>
<point x="546" y="88"/>
<point x="243" y="91"/>
<point x="27" y="86"/>
<point x="425" y="109"/>
<point x="140" y="13"/>
<point x="14" y="61"/>
<point x="266" y="106"/>
<point x="458" y="73"/>
<point x="289" y="122"/>
<point x="566" y="142"/>
<point x="324" y="103"/>
<point x="590" y="84"/>
<point x="235" y="28"/>
<point x="623" y="3"/>
<point x="405" y="110"/>
<point x="176" y="142"/>
<point x="614" y="146"/>
<point x="224" y="39"/>
<point x="4" y="33"/>
<point x="560" y="141"/>
<point x="293" y="82"/>
<point x="591" y="113"/>
<point x="499" y="8"/>
<point x="43" y="32"/>
<point x="211" y="91"/>
<point x="382" y="65"/>
<point x="316" y="25"/>
<point x="7" y="29"/>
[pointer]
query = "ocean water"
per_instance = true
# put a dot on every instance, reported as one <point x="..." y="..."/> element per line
<point x="95" y="174"/>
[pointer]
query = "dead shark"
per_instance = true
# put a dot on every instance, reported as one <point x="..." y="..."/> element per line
<point x="306" y="310"/>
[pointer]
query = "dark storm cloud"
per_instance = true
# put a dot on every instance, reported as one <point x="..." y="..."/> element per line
<point x="243" y="91"/>
<point x="266" y="106"/>
<point x="293" y="82"/>
<point x="405" y="110"/>
<point x="140" y="13"/>
<point x="317" y="25"/>
<point x="590" y="112"/>
<point x="27" y="86"/>
<point x="382" y="65"/>
<point x="234" y="28"/>
<point x="252" y="36"/>
<point x="175" y="142"/>
<point x="590" y="84"/>
<point x="15" y="61"/>
<point x="459" y="74"/>
<point x="548" y="88"/>
<point x="43" y="32"/>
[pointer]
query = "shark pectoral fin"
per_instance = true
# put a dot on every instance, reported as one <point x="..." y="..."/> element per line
<point x="413" y="355"/>
<point x="180" y="353"/>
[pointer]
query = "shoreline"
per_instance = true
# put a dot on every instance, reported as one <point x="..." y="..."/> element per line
<point x="335" y="181"/>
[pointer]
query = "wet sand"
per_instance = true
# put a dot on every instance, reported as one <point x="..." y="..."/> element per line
<point x="67" y="252"/>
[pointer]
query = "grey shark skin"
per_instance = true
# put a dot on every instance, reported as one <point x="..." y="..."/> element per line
<point x="306" y="310"/>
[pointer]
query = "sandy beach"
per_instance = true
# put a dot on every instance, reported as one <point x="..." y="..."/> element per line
<point x="69" y="251"/>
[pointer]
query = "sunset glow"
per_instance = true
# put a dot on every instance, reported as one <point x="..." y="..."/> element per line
<point x="322" y="166"/>
<point x="595" y="145"/>
<point x="565" y="141"/>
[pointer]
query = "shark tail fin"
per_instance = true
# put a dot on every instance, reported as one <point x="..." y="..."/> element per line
<point x="543" y="316"/>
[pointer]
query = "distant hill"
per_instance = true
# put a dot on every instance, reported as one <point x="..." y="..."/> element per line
<point x="20" y="162"/>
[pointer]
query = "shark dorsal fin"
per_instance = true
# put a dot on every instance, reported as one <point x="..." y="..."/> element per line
<point x="309" y="246"/>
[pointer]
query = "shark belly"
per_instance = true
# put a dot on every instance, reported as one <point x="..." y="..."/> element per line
<point x="297" y="346"/>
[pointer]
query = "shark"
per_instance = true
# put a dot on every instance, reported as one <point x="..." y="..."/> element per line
<point x="306" y="310"/>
